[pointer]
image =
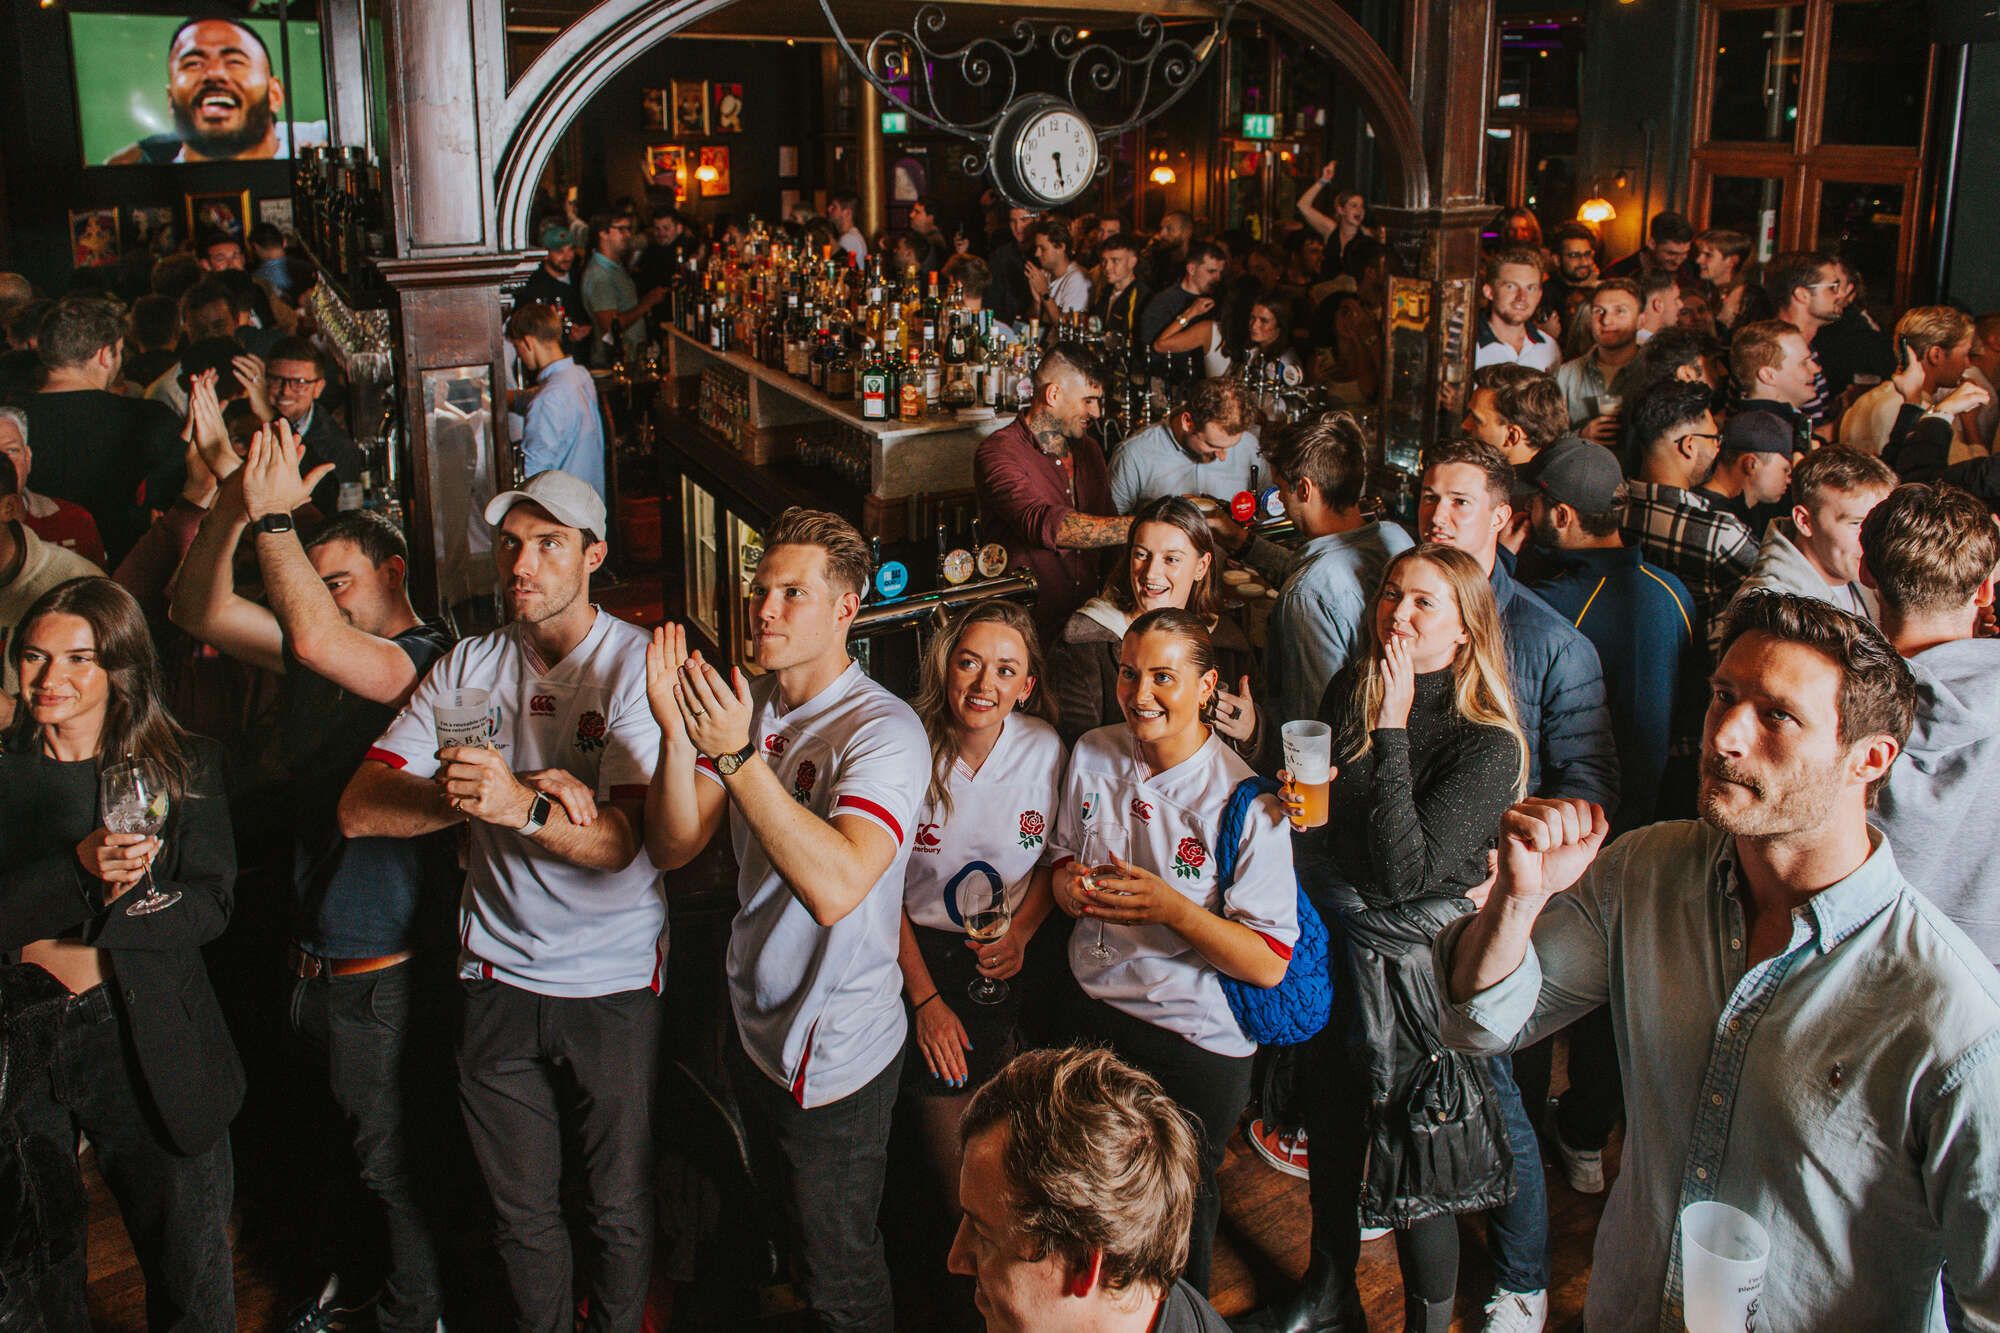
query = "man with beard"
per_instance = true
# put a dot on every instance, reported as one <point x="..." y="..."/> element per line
<point x="618" y="311"/>
<point x="1669" y="518"/>
<point x="227" y="103"/>
<point x="1802" y="1035"/>
<point x="562" y="929"/>
<point x="553" y="283"/>
<point x="1588" y="380"/>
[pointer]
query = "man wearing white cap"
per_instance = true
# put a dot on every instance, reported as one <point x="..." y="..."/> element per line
<point x="562" y="926"/>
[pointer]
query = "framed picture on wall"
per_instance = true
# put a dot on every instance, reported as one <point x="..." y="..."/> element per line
<point x="728" y="108"/>
<point x="712" y="170"/>
<point x="93" y="237"/>
<point x="656" y="109"/>
<point x="150" y="227"/>
<point x="226" y="211"/>
<point x="666" y="168"/>
<point x="691" y="107"/>
<point x="277" y="212"/>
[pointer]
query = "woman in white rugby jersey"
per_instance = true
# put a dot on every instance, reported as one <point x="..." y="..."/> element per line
<point x="1146" y="797"/>
<point x="996" y="772"/>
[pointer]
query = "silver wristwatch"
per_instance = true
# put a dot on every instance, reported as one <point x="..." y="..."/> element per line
<point x="538" y="815"/>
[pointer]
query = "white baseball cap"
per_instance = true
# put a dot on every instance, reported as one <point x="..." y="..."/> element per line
<point x="567" y="499"/>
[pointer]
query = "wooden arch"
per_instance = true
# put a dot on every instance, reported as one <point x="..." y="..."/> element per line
<point x="550" y="92"/>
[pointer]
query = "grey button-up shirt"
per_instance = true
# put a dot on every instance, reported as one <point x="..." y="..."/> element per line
<point x="1844" y="1092"/>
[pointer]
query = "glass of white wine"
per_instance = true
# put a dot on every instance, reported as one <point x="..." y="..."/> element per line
<point x="134" y="800"/>
<point x="1099" y="846"/>
<point x="983" y="906"/>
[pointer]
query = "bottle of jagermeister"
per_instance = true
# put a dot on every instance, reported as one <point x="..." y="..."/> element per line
<point x="874" y="385"/>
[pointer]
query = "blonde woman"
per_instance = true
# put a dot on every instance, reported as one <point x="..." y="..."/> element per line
<point x="996" y="768"/>
<point x="1429" y="754"/>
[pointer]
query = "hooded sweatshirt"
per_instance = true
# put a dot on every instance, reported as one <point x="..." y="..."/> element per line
<point x="1936" y="807"/>
<point x="1782" y="567"/>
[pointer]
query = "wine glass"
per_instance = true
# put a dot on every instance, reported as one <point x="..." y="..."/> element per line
<point x="983" y="906"/>
<point x="134" y="800"/>
<point x="1099" y="846"/>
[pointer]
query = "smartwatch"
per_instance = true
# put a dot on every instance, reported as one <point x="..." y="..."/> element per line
<point x="725" y="764"/>
<point x="538" y="815"/>
<point x="272" y="523"/>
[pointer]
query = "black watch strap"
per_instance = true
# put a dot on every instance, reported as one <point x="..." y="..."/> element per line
<point x="725" y="764"/>
<point x="272" y="523"/>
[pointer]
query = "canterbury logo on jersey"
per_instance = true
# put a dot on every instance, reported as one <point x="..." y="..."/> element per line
<point x="927" y="838"/>
<point x="775" y="745"/>
<point x="542" y="705"/>
<point x="1142" y="810"/>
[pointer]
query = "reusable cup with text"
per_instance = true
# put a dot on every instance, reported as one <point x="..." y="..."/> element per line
<point x="1723" y="1254"/>
<point x="1309" y="759"/>
<point x="463" y="720"/>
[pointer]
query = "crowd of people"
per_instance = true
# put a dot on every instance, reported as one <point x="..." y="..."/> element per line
<point x="1665" y="729"/>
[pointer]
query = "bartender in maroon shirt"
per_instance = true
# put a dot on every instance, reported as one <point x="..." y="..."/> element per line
<point x="1044" y="489"/>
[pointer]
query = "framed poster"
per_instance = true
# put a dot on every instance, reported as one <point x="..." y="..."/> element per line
<point x="93" y="237"/>
<point x="712" y="170"/>
<point x="277" y="212"/>
<point x="666" y="168"/>
<point x="656" y="108"/>
<point x="150" y="227"/>
<point x="691" y="107"/>
<point x="226" y="211"/>
<point x="728" y="108"/>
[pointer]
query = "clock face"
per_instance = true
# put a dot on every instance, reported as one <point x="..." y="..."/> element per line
<point x="1055" y="154"/>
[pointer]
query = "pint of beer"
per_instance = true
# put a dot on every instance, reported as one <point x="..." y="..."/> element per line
<point x="463" y="719"/>
<point x="1309" y="759"/>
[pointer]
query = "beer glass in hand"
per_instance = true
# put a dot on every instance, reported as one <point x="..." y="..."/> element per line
<point x="1309" y="764"/>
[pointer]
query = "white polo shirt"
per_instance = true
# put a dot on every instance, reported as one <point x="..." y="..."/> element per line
<point x="997" y="828"/>
<point x="819" y="1008"/>
<point x="1170" y="821"/>
<point x="528" y="917"/>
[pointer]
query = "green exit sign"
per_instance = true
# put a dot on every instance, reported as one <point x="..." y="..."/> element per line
<point x="1259" y="125"/>
<point x="898" y="122"/>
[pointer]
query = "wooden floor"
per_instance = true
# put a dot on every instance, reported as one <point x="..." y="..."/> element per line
<point x="1260" y="1251"/>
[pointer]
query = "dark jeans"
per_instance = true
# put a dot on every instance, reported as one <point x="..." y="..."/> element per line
<point x="380" y="1035"/>
<point x="1211" y="1088"/>
<point x="536" y="1072"/>
<point x="821" y="1169"/>
<point x="1593" y="1104"/>
<point x="1517" y="1232"/>
<point x="175" y="1207"/>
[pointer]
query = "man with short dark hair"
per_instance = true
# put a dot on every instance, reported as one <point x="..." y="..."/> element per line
<point x="97" y="448"/>
<point x="1517" y="410"/>
<point x="1167" y="256"/>
<point x="1079" y="1178"/>
<point x="1669" y="238"/>
<point x="1588" y="380"/>
<point x="562" y="926"/>
<point x="1513" y="294"/>
<point x="1720" y="256"/>
<point x="617" y="310"/>
<point x="1007" y="294"/>
<point x="221" y="252"/>
<point x="1747" y="961"/>
<point x="1659" y="304"/>
<point x="1178" y="324"/>
<point x="1575" y="249"/>
<point x="563" y="427"/>
<point x="1775" y="371"/>
<point x="820" y="772"/>
<point x="1328" y="584"/>
<point x="1206" y="446"/>
<point x="1816" y="551"/>
<point x="1120" y="297"/>
<point x="1056" y="282"/>
<point x="933" y="245"/>
<point x="209" y="310"/>
<point x="152" y="333"/>
<point x="227" y="100"/>
<point x="1929" y="553"/>
<point x="371" y="916"/>
<point x="294" y="379"/>
<point x="1753" y="469"/>
<point x="842" y="207"/>
<point x="1044" y="490"/>
<point x="1806" y="287"/>
<point x="1668" y="517"/>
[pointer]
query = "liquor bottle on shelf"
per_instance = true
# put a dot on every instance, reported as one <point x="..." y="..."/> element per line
<point x="933" y="372"/>
<point x="873" y="381"/>
<point x="840" y="373"/>
<point x="910" y="392"/>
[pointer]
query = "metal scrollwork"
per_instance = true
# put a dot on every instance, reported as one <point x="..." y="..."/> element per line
<point x="1152" y="78"/>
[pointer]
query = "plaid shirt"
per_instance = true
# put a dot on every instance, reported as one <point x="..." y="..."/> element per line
<point x="1712" y="551"/>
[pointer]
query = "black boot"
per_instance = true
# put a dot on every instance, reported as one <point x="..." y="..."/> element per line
<point x="1326" y="1302"/>
<point x="1421" y="1316"/>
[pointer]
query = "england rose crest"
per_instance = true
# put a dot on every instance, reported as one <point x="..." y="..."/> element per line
<point x="590" y="732"/>
<point x="1189" y="858"/>
<point x="1031" y="828"/>
<point x="802" y="781"/>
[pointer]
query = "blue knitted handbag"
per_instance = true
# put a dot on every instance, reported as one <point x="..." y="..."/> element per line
<point x="1296" y="1008"/>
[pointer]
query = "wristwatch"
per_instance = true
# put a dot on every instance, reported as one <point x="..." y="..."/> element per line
<point x="272" y="523"/>
<point x="725" y="764"/>
<point x="538" y="815"/>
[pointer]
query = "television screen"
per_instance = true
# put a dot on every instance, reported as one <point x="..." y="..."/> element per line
<point x="159" y="89"/>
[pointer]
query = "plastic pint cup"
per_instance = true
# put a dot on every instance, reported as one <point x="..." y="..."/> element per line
<point x="1723" y="1254"/>
<point x="462" y="719"/>
<point x="1309" y="759"/>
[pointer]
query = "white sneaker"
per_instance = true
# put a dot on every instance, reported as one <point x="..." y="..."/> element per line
<point x="1517" y="1311"/>
<point x="1373" y="1233"/>
<point x="1583" y="1169"/>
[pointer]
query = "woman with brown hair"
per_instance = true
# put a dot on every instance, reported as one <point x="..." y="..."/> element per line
<point x="1405" y="1132"/>
<point x="996" y="766"/>
<point x="144" y="1064"/>
<point x="1170" y="560"/>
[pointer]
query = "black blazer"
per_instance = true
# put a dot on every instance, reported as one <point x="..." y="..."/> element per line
<point x="159" y="981"/>
<point x="326" y="442"/>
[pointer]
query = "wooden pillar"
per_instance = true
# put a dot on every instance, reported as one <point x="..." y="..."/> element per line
<point x="446" y="80"/>
<point x="871" y="171"/>
<point x="1433" y="291"/>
